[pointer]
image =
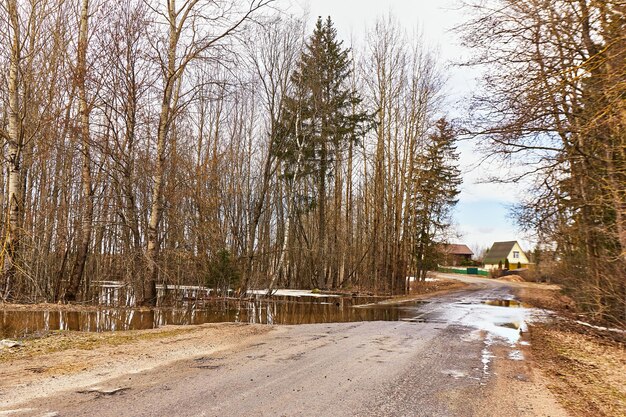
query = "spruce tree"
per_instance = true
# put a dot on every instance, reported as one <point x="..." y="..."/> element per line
<point x="319" y="121"/>
<point x="435" y="189"/>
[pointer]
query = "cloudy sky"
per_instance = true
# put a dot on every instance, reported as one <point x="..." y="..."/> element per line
<point x="482" y="212"/>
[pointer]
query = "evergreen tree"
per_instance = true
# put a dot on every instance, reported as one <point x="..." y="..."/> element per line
<point x="318" y="122"/>
<point x="223" y="273"/>
<point x="435" y="190"/>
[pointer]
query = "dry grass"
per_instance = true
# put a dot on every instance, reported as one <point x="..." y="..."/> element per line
<point x="74" y="360"/>
<point x="430" y="287"/>
<point x="418" y="290"/>
<point x="586" y="367"/>
<point x="423" y="290"/>
<point x="52" y="307"/>
<point x="547" y="298"/>
<point x="587" y="372"/>
<point x="64" y="340"/>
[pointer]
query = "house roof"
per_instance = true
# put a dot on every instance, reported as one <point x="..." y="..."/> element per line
<point x="457" y="249"/>
<point x="498" y="252"/>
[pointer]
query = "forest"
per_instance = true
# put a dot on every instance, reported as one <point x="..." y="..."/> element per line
<point x="229" y="144"/>
<point x="214" y="143"/>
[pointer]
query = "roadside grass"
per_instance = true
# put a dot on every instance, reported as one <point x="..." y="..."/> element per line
<point x="586" y="367"/>
<point x="425" y="289"/>
<point x="428" y="287"/>
<point x="587" y="372"/>
<point x="416" y="288"/>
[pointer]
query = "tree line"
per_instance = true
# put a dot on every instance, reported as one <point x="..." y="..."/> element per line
<point x="215" y="142"/>
<point x="554" y="107"/>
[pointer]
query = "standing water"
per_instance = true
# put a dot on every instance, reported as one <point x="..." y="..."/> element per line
<point x="274" y="310"/>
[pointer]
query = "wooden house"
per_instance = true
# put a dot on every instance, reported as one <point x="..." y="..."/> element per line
<point x="501" y="251"/>
<point x="454" y="254"/>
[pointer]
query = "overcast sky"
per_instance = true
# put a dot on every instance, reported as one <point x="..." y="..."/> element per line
<point x="482" y="213"/>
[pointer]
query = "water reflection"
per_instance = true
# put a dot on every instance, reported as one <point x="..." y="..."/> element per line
<point x="281" y="310"/>
<point x="121" y="294"/>
<point x="504" y="303"/>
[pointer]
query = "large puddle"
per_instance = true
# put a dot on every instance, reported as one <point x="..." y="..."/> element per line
<point x="277" y="310"/>
<point x="493" y="316"/>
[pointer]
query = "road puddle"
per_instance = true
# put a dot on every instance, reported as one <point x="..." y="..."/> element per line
<point x="501" y="322"/>
<point x="495" y="318"/>
<point x="455" y="374"/>
<point x="486" y="358"/>
<point x="504" y="303"/>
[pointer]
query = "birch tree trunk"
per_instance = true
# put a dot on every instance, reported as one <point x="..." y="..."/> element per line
<point x="156" y="209"/>
<point x="181" y="22"/>
<point x="10" y="250"/>
<point x="288" y="220"/>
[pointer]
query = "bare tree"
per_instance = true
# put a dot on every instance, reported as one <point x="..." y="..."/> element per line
<point x="272" y="55"/>
<point x="552" y="105"/>
<point x="182" y="35"/>
<point x="88" y="190"/>
<point x="10" y="249"/>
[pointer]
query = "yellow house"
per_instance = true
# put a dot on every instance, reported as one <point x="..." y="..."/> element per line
<point x="505" y="250"/>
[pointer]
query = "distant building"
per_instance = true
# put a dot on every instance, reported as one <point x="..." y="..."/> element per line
<point x="455" y="254"/>
<point x="500" y="251"/>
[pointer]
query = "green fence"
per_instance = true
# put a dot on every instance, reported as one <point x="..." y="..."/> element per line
<point x="464" y="271"/>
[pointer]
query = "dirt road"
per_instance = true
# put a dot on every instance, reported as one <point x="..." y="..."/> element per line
<point x="460" y="354"/>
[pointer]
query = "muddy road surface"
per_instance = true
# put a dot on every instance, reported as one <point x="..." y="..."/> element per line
<point x="460" y="354"/>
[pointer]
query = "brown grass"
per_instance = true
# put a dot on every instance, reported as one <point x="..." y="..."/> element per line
<point x="586" y="367"/>
<point x="587" y="372"/>
<point x="52" y="307"/>
<point x="64" y="340"/>
<point x="547" y="298"/>
<point x="422" y="290"/>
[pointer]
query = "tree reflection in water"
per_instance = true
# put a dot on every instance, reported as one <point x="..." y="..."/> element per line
<point x="274" y="310"/>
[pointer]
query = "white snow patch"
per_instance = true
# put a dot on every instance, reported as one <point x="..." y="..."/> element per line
<point x="427" y="279"/>
<point x="292" y="293"/>
<point x="606" y="329"/>
<point x="516" y="355"/>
